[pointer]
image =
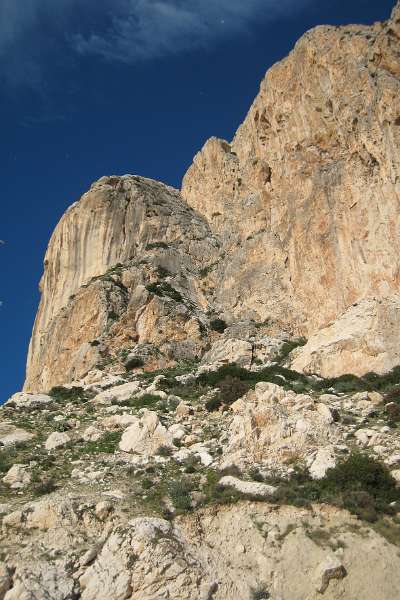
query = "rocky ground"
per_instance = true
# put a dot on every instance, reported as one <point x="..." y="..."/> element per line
<point x="202" y="481"/>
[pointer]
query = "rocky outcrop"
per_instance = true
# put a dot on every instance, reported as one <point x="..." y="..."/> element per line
<point x="275" y="426"/>
<point x="363" y="339"/>
<point x="125" y="234"/>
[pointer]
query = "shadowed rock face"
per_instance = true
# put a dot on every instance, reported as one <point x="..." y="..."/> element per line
<point x="293" y="222"/>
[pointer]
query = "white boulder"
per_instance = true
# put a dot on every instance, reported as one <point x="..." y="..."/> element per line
<point x="57" y="439"/>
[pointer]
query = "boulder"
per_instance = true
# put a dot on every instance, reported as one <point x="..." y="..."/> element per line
<point x="276" y="426"/>
<point x="17" y="477"/>
<point x="330" y="568"/>
<point x="225" y="351"/>
<point x="11" y="435"/>
<point x="145" y="436"/>
<point x="324" y="460"/>
<point x="362" y="339"/>
<point x="57" y="439"/>
<point x="116" y="422"/>
<point x="29" y="401"/>
<point x="253" y="489"/>
<point x="183" y="410"/>
<point x="117" y="393"/>
<point x="5" y="580"/>
<point x="92" y="434"/>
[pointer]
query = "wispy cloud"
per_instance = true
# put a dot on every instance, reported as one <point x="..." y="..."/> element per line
<point x="34" y="33"/>
<point x="147" y="29"/>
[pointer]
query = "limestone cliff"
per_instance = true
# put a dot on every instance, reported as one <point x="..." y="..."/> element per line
<point x="306" y="197"/>
<point x="290" y="224"/>
<point x="125" y="233"/>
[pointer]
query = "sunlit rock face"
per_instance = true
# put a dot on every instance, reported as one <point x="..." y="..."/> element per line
<point x="291" y="224"/>
<point x="125" y="233"/>
<point x="306" y="196"/>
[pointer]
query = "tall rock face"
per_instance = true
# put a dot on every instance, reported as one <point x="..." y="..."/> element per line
<point x="306" y="197"/>
<point x="125" y="234"/>
<point x="290" y="224"/>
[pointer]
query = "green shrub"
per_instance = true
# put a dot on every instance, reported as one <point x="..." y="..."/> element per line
<point x="134" y="362"/>
<point x="73" y="394"/>
<point x="191" y="463"/>
<point x="44" y="487"/>
<point x="288" y="347"/>
<point x="261" y="593"/>
<point x="107" y="444"/>
<point x="61" y="426"/>
<point x="162" y="272"/>
<point x="230" y="390"/>
<point x="218" y="325"/>
<point x="156" y="245"/>
<point x="179" y="492"/>
<point x="164" y="451"/>
<point x="147" y="483"/>
<point x="162" y="289"/>
<point x="112" y="316"/>
<point x="141" y="402"/>
<point x="213" y="403"/>
<point x="359" y="483"/>
<point x="215" y="494"/>
<point x="393" y="396"/>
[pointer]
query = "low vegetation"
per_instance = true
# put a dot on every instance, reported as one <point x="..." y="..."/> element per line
<point x="76" y="395"/>
<point x="164" y="289"/>
<point x="218" y="325"/>
<point x="359" y="483"/>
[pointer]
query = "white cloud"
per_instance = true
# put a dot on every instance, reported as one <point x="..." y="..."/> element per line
<point x="147" y="29"/>
<point x="35" y="33"/>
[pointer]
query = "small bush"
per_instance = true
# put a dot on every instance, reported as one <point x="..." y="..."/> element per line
<point x="359" y="483"/>
<point x="147" y="483"/>
<point x="218" y="325"/>
<point x="214" y="494"/>
<point x="44" y="487"/>
<point x="164" y="451"/>
<point x="288" y="347"/>
<point x="73" y="394"/>
<point x="107" y="444"/>
<point x="134" y="362"/>
<point x="213" y="404"/>
<point x="393" y="396"/>
<point x="191" y="463"/>
<point x="162" y="272"/>
<point x="61" y="426"/>
<point x="162" y="289"/>
<point x="230" y="390"/>
<point x="261" y="593"/>
<point x="179" y="492"/>
<point x="141" y="402"/>
<point x="156" y="245"/>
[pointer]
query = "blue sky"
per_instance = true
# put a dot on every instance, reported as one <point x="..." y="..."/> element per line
<point x="90" y="88"/>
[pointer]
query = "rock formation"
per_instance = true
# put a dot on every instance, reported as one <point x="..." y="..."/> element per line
<point x="315" y="169"/>
<point x="125" y="233"/>
<point x="178" y="436"/>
